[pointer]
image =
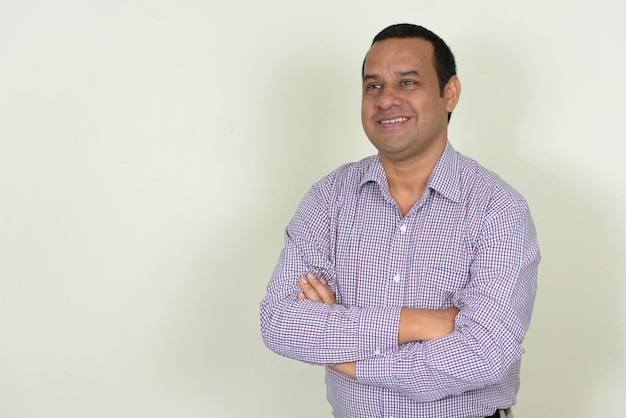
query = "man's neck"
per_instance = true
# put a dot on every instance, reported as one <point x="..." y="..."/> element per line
<point x="408" y="179"/>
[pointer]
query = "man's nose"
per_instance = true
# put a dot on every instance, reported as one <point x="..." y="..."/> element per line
<point x="389" y="98"/>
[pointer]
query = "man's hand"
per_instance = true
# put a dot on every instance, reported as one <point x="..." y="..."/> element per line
<point x="316" y="290"/>
<point x="349" y="369"/>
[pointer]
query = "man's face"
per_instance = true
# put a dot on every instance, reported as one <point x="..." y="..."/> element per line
<point x="403" y="113"/>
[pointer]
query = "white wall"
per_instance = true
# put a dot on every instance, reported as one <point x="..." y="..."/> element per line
<point x="151" y="153"/>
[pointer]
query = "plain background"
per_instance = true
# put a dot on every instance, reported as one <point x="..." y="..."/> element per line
<point x="151" y="153"/>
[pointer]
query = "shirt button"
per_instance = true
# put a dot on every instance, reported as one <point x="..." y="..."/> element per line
<point x="396" y="278"/>
<point x="377" y="352"/>
<point x="403" y="228"/>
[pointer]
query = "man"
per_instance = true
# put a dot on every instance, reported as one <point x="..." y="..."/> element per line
<point x="411" y="274"/>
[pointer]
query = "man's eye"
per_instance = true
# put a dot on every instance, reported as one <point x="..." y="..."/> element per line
<point x="408" y="83"/>
<point x="373" y="86"/>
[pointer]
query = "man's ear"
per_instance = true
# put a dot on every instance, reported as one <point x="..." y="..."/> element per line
<point x="452" y="93"/>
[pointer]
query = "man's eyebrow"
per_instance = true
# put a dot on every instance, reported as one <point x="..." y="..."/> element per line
<point x="375" y="77"/>
<point x="407" y="73"/>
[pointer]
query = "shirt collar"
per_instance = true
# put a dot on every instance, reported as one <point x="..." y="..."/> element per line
<point x="375" y="172"/>
<point x="443" y="179"/>
<point x="445" y="176"/>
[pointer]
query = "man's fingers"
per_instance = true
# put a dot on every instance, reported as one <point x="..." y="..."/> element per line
<point x="317" y="290"/>
<point x="349" y="369"/>
<point x="308" y="290"/>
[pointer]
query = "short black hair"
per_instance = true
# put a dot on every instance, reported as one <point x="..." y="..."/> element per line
<point x="443" y="60"/>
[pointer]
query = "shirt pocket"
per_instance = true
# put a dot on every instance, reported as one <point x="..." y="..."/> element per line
<point x="435" y="288"/>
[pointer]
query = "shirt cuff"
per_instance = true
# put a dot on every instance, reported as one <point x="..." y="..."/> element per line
<point x="378" y="331"/>
<point x="386" y="369"/>
<point x="375" y="371"/>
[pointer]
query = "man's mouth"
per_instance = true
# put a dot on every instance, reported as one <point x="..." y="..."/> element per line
<point x="392" y="121"/>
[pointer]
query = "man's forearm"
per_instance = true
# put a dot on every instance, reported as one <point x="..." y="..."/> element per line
<point x="425" y="324"/>
<point x="415" y="324"/>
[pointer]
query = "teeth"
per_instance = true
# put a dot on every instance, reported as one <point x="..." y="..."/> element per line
<point x="396" y="120"/>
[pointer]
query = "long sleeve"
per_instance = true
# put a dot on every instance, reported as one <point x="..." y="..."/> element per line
<point x="311" y="332"/>
<point x="469" y="242"/>
<point x="486" y="346"/>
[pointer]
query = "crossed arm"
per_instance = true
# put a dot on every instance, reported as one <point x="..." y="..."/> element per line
<point x="462" y="350"/>
<point x="415" y="324"/>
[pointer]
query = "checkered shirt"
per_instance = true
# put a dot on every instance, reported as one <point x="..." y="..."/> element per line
<point x="469" y="242"/>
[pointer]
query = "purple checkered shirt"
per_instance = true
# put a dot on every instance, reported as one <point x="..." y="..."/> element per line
<point x="469" y="242"/>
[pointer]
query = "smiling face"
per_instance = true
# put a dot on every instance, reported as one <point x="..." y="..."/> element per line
<point x="403" y="113"/>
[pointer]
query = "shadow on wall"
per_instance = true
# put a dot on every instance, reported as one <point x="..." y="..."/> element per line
<point x="572" y="344"/>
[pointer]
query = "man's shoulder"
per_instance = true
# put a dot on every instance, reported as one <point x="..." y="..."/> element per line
<point x="475" y="179"/>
